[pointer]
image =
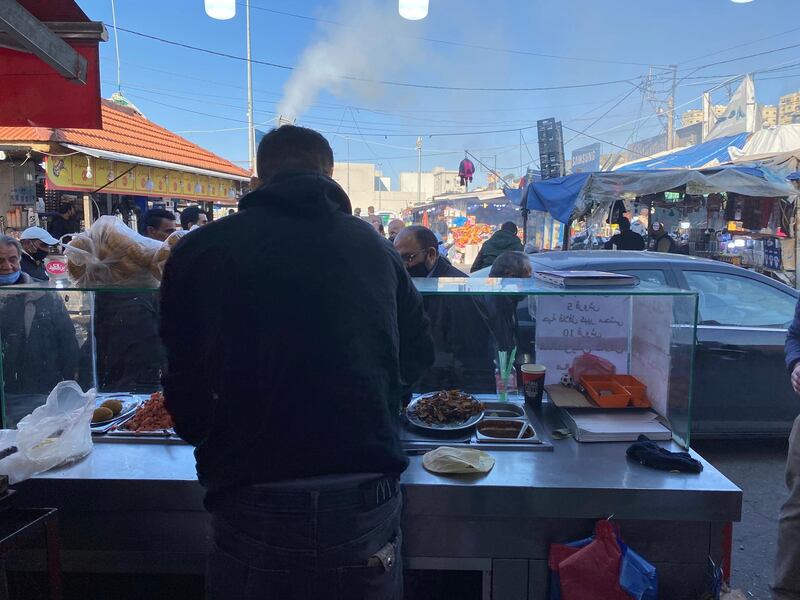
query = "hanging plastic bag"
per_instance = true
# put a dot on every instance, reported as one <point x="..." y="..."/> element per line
<point x="590" y="364"/>
<point x="637" y="576"/>
<point x="56" y="433"/>
<point x="161" y="256"/>
<point x="111" y="253"/>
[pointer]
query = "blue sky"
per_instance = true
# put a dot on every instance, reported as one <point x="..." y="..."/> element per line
<point x="203" y="96"/>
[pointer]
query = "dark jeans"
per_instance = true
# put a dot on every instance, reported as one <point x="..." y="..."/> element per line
<point x="331" y="538"/>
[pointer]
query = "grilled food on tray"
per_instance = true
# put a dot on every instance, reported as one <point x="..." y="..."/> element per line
<point x="151" y="416"/>
<point x="451" y="406"/>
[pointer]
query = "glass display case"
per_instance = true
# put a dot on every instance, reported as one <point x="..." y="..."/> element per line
<point x="107" y="338"/>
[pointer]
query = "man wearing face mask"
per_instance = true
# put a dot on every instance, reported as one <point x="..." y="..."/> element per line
<point x="459" y="324"/>
<point x="395" y="226"/>
<point x="35" y="243"/>
<point x="38" y="339"/>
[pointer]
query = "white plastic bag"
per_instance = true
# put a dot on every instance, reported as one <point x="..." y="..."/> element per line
<point x="111" y="253"/>
<point x="160" y="257"/>
<point x="56" y="433"/>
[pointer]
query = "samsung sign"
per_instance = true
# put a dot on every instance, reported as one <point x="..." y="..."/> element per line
<point x="586" y="159"/>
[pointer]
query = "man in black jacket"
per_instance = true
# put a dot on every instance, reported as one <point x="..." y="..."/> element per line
<point x="64" y="222"/>
<point x="459" y="324"/>
<point x="625" y="239"/>
<point x="786" y="582"/>
<point x="287" y="364"/>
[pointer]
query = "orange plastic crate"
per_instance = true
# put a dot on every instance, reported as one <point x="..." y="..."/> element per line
<point x="618" y="396"/>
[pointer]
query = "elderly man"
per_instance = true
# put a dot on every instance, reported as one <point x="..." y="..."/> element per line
<point x="459" y="324"/>
<point x="394" y="227"/>
<point x="38" y="338"/>
<point x="35" y="243"/>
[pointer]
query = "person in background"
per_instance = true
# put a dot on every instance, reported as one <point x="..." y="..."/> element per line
<point x="502" y="310"/>
<point x="786" y="580"/>
<point x="394" y="227"/>
<point x="36" y="243"/>
<point x="357" y="213"/>
<point x="504" y="239"/>
<point x="660" y="239"/>
<point x="459" y="324"/>
<point x="625" y="239"/>
<point x="231" y="211"/>
<point x="260" y="371"/>
<point x="192" y="216"/>
<point x="158" y="224"/>
<point x="38" y="340"/>
<point x="370" y="212"/>
<point x="639" y="223"/>
<point x="377" y="224"/>
<point x="64" y="222"/>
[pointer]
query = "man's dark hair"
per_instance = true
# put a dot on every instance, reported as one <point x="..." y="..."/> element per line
<point x="624" y="224"/>
<point x="152" y="218"/>
<point x="424" y="236"/>
<point x="65" y="207"/>
<point x="292" y="147"/>
<point x="190" y="216"/>
<point x="511" y="264"/>
<point x="510" y="227"/>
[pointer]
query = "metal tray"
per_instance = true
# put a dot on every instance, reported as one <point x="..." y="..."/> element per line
<point x="417" y="422"/>
<point x="483" y="438"/>
<point x="503" y="410"/>
<point x="129" y="405"/>
<point x="158" y="433"/>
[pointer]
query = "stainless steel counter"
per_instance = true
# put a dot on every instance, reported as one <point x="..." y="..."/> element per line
<point x="500" y="523"/>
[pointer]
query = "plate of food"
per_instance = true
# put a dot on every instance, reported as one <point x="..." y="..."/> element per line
<point x="112" y="407"/>
<point x="151" y="418"/>
<point x="448" y="410"/>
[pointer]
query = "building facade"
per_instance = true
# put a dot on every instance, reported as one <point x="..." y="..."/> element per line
<point x="788" y="107"/>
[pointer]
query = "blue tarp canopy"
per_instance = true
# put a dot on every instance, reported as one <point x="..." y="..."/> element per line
<point x="693" y="157"/>
<point x="560" y="196"/>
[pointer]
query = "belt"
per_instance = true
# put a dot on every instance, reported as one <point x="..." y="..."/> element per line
<point x="369" y="494"/>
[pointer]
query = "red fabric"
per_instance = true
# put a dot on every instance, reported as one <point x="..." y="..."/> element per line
<point x="35" y="95"/>
<point x="592" y="573"/>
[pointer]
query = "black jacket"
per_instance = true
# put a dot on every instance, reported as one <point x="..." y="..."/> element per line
<point x="34" y="268"/>
<point x="625" y="240"/>
<point x="291" y="330"/>
<point x="501" y="241"/>
<point x="60" y="226"/>
<point x="462" y="337"/>
<point x="38" y="340"/>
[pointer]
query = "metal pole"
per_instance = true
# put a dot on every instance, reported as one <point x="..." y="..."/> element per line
<point x="671" y="109"/>
<point x="251" y="134"/>
<point x="348" y="164"/>
<point x="419" y="170"/>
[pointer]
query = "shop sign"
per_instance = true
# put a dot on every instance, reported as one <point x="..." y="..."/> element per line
<point x="586" y="159"/>
<point x="74" y="173"/>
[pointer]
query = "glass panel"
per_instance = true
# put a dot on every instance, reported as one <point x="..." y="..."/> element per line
<point x="727" y="299"/>
<point x="651" y="276"/>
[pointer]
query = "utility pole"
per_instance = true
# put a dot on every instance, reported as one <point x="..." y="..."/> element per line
<point x="251" y="134"/>
<point x="419" y="170"/>
<point x="671" y="109"/>
<point x="348" y="164"/>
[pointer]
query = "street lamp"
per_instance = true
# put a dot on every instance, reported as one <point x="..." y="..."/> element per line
<point x="413" y="10"/>
<point x="223" y="10"/>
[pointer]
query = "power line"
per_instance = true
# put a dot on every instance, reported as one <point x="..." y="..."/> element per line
<point x="379" y="81"/>
<point x="454" y="43"/>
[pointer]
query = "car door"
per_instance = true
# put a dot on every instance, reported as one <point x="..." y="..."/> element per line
<point x="740" y="382"/>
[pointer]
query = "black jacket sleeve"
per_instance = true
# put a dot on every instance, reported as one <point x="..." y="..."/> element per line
<point x="609" y="245"/>
<point x="792" y="348"/>
<point x="478" y="264"/>
<point x="416" y="341"/>
<point x="66" y="341"/>
<point x="190" y="283"/>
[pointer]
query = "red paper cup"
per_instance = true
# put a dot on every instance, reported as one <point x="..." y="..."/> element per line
<point x="533" y="383"/>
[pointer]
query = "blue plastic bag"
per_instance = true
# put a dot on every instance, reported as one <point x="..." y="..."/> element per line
<point x="637" y="576"/>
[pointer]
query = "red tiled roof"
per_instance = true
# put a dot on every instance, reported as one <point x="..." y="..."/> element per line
<point x="127" y="132"/>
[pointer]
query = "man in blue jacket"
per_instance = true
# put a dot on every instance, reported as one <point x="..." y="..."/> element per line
<point x="786" y="585"/>
<point x="292" y="333"/>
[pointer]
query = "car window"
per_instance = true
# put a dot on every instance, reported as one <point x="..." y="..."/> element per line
<point x="654" y="276"/>
<point x="727" y="299"/>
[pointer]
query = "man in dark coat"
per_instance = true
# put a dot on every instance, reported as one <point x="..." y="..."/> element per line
<point x="786" y="581"/>
<point x="504" y="239"/>
<point x="36" y="243"/>
<point x="625" y="239"/>
<point x="287" y="365"/>
<point x="64" y="222"/>
<point x="502" y="310"/>
<point x="459" y="323"/>
<point x="38" y="338"/>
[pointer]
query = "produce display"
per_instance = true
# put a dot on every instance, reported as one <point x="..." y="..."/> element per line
<point x="151" y="416"/>
<point x="451" y="406"/>
<point x="471" y="234"/>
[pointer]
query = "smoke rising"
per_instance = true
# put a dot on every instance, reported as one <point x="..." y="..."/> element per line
<point x="365" y="46"/>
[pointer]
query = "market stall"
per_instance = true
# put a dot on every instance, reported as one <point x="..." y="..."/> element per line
<point x="128" y="166"/>
<point x="493" y="529"/>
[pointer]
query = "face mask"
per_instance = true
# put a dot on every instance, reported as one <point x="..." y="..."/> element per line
<point x="10" y="279"/>
<point x="419" y="270"/>
<point x="39" y="255"/>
